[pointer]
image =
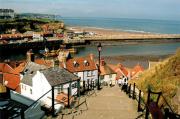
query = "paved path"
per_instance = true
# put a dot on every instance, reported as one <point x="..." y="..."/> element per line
<point x="110" y="103"/>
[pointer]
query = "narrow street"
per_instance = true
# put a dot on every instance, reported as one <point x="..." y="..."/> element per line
<point x="109" y="103"/>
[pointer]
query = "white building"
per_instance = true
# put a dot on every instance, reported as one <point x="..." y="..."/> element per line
<point x="123" y="74"/>
<point x="83" y="67"/>
<point x="37" y="37"/>
<point x="37" y="80"/>
<point x="6" y="13"/>
<point x="107" y="75"/>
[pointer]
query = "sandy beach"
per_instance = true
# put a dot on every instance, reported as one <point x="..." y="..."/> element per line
<point x="116" y="34"/>
<point x="131" y="60"/>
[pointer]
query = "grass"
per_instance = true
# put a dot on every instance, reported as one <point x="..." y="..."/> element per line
<point x="164" y="77"/>
<point x="23" y="25"/>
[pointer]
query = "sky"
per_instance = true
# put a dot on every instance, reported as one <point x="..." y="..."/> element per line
<point x="142" y="9"/>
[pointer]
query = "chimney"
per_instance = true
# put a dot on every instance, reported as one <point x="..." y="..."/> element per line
<point x="30" y="56"/>
<point x="102" y="62"/>
<point x="64" y="62"/>
<point x="91" y="56"/>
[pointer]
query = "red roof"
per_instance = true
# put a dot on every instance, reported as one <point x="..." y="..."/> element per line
<point x="11" y="79"/>
<point x="80" y="64"/>
<point x="47" y="63"/>
<point x="105" y="69"/>
<point x="20" y="68"/>
<point x="136" y="69"/>
<point x="5" y="68"/>
<point x="120" y="70"/>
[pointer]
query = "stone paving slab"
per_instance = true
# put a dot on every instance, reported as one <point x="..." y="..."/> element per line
<point x="110" y="103"/>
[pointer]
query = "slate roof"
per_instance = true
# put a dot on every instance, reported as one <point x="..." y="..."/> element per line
<point x="29" y="71"/>
<point x="58" y="75"/>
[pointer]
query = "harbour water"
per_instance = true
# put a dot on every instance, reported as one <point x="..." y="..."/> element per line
<point x="138" y="49"/>
<point x="125" y="24"/>
<point x="132" y="49"/>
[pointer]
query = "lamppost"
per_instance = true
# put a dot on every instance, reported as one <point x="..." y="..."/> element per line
<point x="99" y="50"/>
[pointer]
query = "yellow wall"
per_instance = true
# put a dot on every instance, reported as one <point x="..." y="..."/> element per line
<point x="2" y="89"/>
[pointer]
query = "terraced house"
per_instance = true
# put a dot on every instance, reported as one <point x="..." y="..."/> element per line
<point x="83" y="67"/>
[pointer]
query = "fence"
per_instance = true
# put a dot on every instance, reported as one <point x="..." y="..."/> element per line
<point x="163" y="112"/>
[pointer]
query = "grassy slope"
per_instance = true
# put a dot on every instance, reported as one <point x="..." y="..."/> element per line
<point x="23" y="25"/>
<point x="163" y="77"/>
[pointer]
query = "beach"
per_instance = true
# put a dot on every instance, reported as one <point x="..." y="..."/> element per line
<point x="104" y="34"/>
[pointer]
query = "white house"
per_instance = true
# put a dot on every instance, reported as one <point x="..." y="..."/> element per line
<point x="107" y="75"/>
<point x="122" y="76"/>
<point x="83" y="67"/>
<point x="38" y="80"/>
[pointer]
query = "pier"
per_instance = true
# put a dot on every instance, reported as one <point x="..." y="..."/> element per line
<point x="133" y="37"/>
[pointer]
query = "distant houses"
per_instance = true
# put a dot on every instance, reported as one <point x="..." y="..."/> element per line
<point x="7" y="14"/>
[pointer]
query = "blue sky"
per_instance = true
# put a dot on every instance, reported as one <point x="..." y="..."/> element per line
<point x="146" y="9"/>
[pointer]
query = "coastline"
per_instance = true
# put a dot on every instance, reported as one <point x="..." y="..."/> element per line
<point x="103" y="34"/>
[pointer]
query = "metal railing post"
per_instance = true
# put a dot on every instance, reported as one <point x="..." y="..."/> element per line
<point x="129" y="91"/>
<point x="147" y="104"/>
<point x="139" y="101"/>
<point x="134" y="91"/>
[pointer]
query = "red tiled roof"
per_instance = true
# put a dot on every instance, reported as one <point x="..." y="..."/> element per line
<point x="136" y="69"/>
<point x="20" y="68"/>
<point x="11" y="81"/>
<point x="105" y="69"/>
<point x="10" y="77"/>
<point x="63" y="98"/>
<point x="5" y="68"/>
<point x="47" y="63"/>
<point x="120" y="70"/>
<point x="80" y="64"/>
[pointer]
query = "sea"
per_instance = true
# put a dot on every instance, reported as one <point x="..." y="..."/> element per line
<point x="123" y="24"/>
<point x="127" y="24"/>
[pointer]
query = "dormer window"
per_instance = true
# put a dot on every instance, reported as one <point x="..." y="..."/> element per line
<point x="31" y="72"/>
<point x="86" y="63"/>
<point x="75" y="64"/>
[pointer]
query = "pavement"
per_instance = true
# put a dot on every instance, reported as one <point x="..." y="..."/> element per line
<point x="108" y="103"/>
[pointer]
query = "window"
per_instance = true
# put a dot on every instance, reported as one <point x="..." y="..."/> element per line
<point x="74" y="85"/>
<point x="86" y="63"/>
<point x="30" y="91"/>
<point x="101" y="76"/>
<point x="89" y="73"/>
<point x="110" y="75"/>
<point x="22" y="86"/>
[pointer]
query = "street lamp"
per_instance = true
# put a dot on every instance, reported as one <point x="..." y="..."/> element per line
<point x="99" y="50"/>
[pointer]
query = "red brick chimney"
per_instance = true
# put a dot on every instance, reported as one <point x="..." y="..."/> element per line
<point x="30" y="56"/>
<point x="102" y="62"/>
<point x="91" y="56"/>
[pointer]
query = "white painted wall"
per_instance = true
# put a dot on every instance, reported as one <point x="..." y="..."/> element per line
<point x="40" y="86"/>
<point x="25" y="90"/>
<point x="108" y="79"/>
<point x="84" y="75"/>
